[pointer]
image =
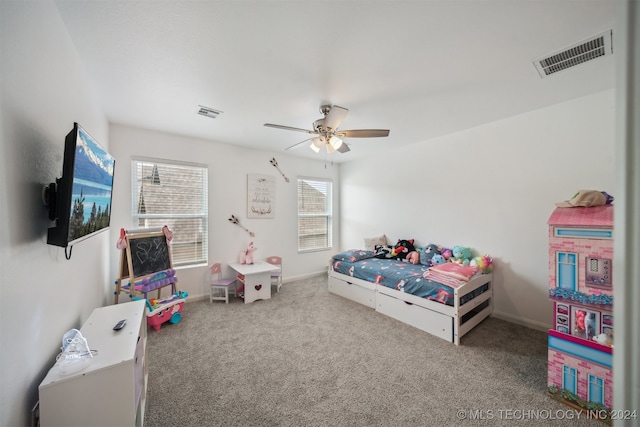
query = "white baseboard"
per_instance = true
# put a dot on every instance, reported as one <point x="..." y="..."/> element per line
<point x="520" y="321"/>
<point x="304" y="276"/>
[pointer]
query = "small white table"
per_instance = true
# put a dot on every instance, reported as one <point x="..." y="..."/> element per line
<point x="257" y="279"/>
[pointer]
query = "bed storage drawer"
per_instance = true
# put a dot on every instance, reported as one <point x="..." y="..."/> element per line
<point x="360" y="293"/>
<point x="422" y="318"/>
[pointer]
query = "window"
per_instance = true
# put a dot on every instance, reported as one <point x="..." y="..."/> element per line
<point x="569" y="378"/>
<point x="314" y="215"/>
<point x="567" y="270"/>
<point x="172" y="194"/>
<point x="596" y="389"/>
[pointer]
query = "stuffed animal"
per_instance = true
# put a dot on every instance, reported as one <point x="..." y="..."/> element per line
<point x="484" y="263"/>
<point x="403" y="249"/>
<point x="446" y="253"/>
<point x="427" y="253"/>
<point x="383" y="251"/>
<point x="247" y="255"/>
<point x="461" y="255"/>
<point x="437" y="259"/>
<point x="604" y="339"/>
<point x="413" y="257"/>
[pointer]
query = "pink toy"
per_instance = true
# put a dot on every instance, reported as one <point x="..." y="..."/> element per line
<point x="413" y="257"/>
<point x="165" y="310"/>
<point x="247" y="254"/>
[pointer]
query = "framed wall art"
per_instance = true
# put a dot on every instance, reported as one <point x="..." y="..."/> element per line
<point x="261" y="195"/>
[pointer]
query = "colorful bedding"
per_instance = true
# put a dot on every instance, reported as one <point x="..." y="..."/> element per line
<point x="403" y="276"/>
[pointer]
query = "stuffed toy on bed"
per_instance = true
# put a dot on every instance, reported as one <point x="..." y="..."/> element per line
<point x="461" y="255"/>
<point x="437" y="259"/>
<point x="427" y="253"/>
<point x="383" y="251"/>
<point x="484" y="263"/>
<point x="404" y="250"/>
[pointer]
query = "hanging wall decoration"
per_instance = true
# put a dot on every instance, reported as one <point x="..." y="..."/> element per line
<point x="274" y="162"/>
<point x="261" y="194"/>
<point x="234" y="220"/>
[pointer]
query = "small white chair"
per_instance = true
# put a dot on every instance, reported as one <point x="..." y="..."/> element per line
<point x="222" y="286"/>
<point x="277" y="275"/>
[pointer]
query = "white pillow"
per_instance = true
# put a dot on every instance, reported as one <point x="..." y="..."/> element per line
<point x="371" y="242"/>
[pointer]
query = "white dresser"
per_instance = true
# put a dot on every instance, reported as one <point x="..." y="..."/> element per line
<point x="111" y="390"/>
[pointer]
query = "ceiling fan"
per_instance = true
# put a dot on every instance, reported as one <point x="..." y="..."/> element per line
<point x="326" y="133"/>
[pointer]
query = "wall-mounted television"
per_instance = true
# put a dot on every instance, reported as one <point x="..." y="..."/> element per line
<point x="80" y="201"/>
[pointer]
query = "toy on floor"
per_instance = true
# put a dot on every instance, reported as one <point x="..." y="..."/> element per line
<point x="165" y="310"/>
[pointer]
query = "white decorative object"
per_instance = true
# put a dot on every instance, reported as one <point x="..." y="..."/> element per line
<point x="261" y="195"/>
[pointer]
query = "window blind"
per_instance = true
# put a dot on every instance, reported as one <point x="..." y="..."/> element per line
<point x="314" y="214"/>
<point x="173" y="194"/>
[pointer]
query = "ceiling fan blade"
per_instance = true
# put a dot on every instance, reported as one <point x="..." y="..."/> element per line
<point x="271" y="125"/>
<point x="363" y="133"/>
<point x="344" y="148"/>
<point x="298" y="144"/>
<point x="335" y="116"/>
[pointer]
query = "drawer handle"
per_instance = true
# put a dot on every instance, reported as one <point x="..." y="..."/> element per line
<point x="407" y="302"/>
<point x="258" y="287"/>
<point x="349" y="283"/>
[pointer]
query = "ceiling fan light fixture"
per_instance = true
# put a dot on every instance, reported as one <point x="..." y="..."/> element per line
<point x="335" y="142"/>
<point x="327" y="133"/>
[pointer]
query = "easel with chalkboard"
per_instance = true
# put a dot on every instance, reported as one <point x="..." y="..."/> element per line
<point x="147" y="256"/>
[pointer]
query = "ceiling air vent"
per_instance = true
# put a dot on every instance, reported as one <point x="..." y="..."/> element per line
<point x="592" y="48"/>
<point x="208" y="112"/>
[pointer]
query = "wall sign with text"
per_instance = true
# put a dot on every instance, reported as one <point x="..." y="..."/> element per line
<point x="261" y="196"/>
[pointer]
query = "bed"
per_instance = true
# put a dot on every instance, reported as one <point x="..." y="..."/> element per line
<point x="413" y="294"/>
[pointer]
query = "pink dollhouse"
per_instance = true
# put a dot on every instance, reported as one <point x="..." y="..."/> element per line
<point x="581" y="288"/>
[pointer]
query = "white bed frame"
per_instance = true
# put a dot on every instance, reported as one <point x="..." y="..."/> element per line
<point x="444" y="321"/>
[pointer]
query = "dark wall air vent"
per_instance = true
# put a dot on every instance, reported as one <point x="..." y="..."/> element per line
<point x="208" y="112"/>
<point x="592" y="48"/>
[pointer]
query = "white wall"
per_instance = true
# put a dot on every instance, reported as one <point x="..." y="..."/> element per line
<point x="228" y="167"/>
<point x="42" y="295"/>
<point x="491" y="188"/>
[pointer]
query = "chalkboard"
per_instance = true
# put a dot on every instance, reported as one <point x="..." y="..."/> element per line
<point x="148" y="254"/>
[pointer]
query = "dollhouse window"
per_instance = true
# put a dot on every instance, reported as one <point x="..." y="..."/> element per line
<point x="567" y="270"/>
<point x="586" y="323"/>
<point x="584" y="233"/>
<point x="596" y="389"/>
<point x="569" y="378"/>
<point x="598" y="272"/>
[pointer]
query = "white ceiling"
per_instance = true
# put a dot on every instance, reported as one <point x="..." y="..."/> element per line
<point x="419" y="68"/>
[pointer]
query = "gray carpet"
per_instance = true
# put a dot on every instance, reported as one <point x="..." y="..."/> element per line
<point x="310" y="358"/>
